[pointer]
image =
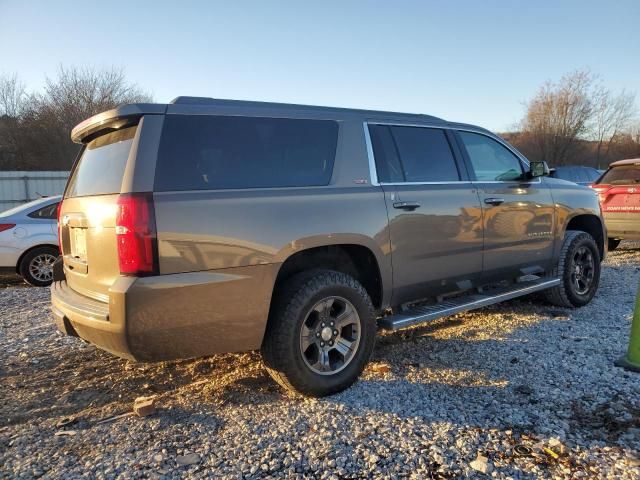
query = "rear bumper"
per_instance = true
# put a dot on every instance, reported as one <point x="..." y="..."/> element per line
<point x="89" y="319"/>
<point x="623" y="225"/>
<point x="172" y="316"/>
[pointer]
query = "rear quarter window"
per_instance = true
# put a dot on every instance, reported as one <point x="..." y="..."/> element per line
<point x="49" y="212"/>
<point x="101" y="166"/>
<point x="204" y="152"/>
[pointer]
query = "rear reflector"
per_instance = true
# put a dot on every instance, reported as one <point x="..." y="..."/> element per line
<point x="60" y="227"/>
<point x="6" y="226"/>
<point x="136" y="234"/>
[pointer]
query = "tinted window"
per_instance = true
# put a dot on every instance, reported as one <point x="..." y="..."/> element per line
<point x="101" y="166"/>
<point x="213" y="152"/>
<point x="425" y="154"/>
<point x="490" y="160"/>
<point x="48" y="212"/>
<point x="628" y="174"/>
<point x="385" y="153"/>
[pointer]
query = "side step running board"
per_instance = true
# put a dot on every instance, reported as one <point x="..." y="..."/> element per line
<point x="422" y="314"/>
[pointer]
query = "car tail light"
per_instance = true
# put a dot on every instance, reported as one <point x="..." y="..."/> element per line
<point x="601" y="190"/>
<point x="136" y="234"/>
<point x="6" y="226"/>
<point x="60" y="227"/>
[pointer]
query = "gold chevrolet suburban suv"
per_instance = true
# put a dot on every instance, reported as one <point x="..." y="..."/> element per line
<point x="207" y="226"/>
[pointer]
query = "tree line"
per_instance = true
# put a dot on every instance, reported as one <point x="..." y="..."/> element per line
<point x="35" y="127"/>
<point x="574" y="121"/>
<point x="578" y="121"/>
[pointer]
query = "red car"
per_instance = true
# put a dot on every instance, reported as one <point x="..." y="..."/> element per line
<point x="619" y="192"/>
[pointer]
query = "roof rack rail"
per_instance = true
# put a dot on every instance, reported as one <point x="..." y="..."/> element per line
<point x="184" y="100"/>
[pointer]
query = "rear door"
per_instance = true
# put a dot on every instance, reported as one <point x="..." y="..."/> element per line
<point x="518" y="214"/>
<point x="88" y="214"/>
<point x="435" y="218"/>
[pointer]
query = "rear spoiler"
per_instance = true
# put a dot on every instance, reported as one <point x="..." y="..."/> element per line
<point x="114" y="119"/>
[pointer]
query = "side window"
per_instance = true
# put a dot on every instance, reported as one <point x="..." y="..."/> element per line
<point x="425" y="154"/>
<point x="490" y="160"/>
<point x="384" y="151"/>
<point x="49" y="212"/>
<point x="412" y="154"/>
<point x="206" y="152"/>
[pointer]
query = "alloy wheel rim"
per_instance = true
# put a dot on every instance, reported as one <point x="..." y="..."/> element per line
<point x="582" y="270"/>
<point x="41" y="267"/>
<point x="330" y="335"/>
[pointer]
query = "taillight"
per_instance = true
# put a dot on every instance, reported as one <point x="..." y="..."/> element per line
<point x="60" y="227"/>
<point x="601" y="190"/>
<point x="6" y="226"/>
<point x="136" y="234"/>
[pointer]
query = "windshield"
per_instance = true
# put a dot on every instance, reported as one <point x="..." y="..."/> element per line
<point x="627" y="174"/>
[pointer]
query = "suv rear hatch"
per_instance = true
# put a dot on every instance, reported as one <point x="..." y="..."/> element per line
<point x="87" y="216"/>
<point x="619" y="189"/>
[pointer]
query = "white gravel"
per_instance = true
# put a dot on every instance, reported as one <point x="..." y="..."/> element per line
<point x="435" y="400"/>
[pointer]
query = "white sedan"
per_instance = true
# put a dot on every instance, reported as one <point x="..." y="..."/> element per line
<point x="29" y="240"/>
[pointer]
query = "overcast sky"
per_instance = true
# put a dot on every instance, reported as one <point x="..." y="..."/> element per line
<point x="470" y="61"/>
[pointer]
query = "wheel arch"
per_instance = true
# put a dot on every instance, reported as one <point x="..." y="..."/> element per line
<point x="591" y="224"/>
<point x="356" y="260"/>
<point x="30" y="249"/>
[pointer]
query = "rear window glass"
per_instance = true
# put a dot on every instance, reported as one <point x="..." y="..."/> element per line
<point x="200" y="152"/>
<point x="101" y="166"/>
<point x="621" y="175"/>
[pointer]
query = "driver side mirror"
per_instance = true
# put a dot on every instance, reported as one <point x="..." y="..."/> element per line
<point x="538" y="169"/>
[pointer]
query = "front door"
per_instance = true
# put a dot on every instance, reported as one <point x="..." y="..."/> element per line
<point x="518" y="213"/>
<point x="435" y="217"/>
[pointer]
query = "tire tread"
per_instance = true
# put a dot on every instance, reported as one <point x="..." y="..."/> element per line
<point x="559" y="295"/>
<point x="284" y="318"/>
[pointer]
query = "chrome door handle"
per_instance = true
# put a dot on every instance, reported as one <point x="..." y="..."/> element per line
<point x="406" y="205"/>
<point x="493" y="201"/>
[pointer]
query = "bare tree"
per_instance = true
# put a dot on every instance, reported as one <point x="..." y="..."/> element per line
<point x="612" y="116"/>
<point x="12" y="96"/>
<point x="559" y="115"/>
<point x="41" y="123"/>
<point x="78" y="93"/>
<point x="13" y="100"/>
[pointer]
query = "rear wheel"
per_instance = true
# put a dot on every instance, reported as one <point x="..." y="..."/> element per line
<point x="613" y="244"/>
<point x="321" y="333"/>
<point x="578" y="269"/>
<point x="36" y="267"/>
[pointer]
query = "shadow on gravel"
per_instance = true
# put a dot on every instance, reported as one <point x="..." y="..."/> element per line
<point x="86" y="383"/>
<point x="12" y="280"/>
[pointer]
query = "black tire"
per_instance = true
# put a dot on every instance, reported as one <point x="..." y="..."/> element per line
<point x="283" y="343"/>
<point x="568" y="293"/>
<point x="32" y="266"/>
<point x="612" y="244"/>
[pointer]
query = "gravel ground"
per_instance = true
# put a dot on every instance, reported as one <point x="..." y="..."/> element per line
<point x="431" y="401"/>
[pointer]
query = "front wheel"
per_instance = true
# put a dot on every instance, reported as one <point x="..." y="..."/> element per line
<point x="578" y="269"/>
<point x="321" y="333"/>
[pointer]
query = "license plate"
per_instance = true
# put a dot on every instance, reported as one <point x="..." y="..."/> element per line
<point x="79" y="243"/>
